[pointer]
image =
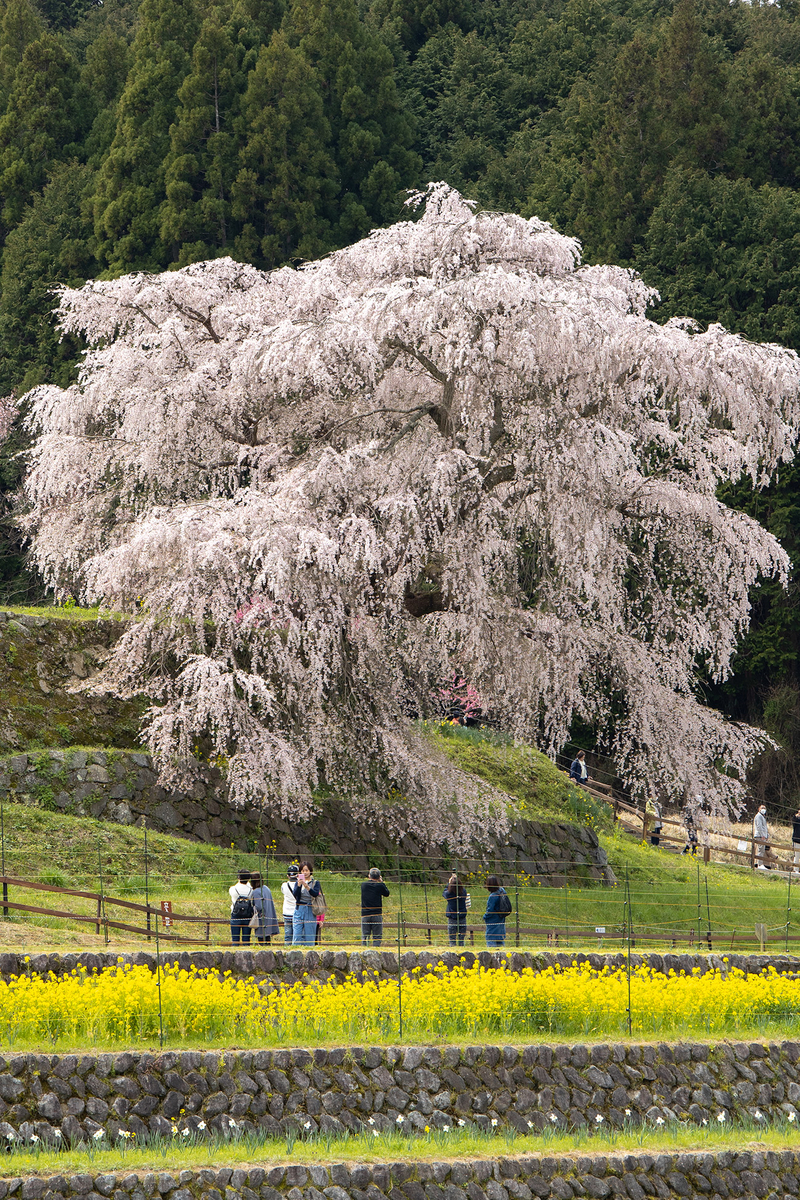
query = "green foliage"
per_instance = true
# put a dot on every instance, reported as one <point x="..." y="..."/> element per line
<point x="284" y="193"/>
<point x="131" y="182"/>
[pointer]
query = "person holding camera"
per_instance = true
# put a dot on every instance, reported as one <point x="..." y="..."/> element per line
<point x="304" y="921"/>
<point x="373" y="889"/>
<point x="456" y="896"/>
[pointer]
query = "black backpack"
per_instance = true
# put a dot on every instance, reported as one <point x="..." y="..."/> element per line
<point x="242" y="909"/>
<point x="504" y="904"/>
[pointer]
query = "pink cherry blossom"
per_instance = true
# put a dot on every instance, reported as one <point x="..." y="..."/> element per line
<point x="448" y="451"/>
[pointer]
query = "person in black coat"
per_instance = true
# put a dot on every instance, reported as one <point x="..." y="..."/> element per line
<point x="456" y="896"/>
<point x="373" y="889"/>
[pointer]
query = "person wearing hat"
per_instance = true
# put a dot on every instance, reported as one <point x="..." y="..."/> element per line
<point x="373" y="889"/>
<point x="289" y="902"/>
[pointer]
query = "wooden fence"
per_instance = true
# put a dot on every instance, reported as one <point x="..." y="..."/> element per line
<point x="396" y="932"/>
<point x="635" y="820"/>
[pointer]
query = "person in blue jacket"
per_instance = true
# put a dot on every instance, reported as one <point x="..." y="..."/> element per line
<point x="577" y="771"/>
<point x="456" y="896"/>
<point x="497" y="910"/>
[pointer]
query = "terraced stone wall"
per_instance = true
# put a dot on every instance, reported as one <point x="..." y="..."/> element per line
<point x="530" y="1089"/>
<point x="771" y="1175"/>
<point x="122" y="786"/>
<point x="288" y="965"/>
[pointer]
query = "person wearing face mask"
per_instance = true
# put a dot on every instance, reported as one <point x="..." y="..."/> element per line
<point x="760" y="836"/>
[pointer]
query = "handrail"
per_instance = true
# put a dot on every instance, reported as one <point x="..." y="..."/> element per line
<point x="641" y="815"/>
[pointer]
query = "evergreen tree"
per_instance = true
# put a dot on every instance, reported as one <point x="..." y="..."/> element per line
<point x="131" y="181"/>
<point x="20" y="26"/>
<point x="205" y="140"/>
<point x="284" y="192"/>
<point x="371" y="135"/>
<point x="47" y="115"/>
<point x="50" y="245"/>
<point x="103" y="77"/>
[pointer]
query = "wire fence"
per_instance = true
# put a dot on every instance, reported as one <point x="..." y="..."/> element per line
<point x="695" y="914"/>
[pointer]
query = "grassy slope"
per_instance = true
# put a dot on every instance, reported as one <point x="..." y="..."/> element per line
<point x="667" y="891"/>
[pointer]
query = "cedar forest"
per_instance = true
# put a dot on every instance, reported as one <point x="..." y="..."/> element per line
<point x="665" y="136"/>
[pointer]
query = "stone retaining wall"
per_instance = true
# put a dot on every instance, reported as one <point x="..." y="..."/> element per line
<point x="288" y="965"/>
<point x="768" y="1175"/>
<point x="122" y="786"/>
<point x="332" y="1090"/>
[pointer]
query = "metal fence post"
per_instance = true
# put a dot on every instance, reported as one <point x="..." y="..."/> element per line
<point x="516" y="895"/>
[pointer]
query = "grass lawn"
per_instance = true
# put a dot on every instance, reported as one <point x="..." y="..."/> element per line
<point x="668" y="893"/>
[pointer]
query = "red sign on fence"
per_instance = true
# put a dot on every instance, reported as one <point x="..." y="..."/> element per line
<point x="166" y="913"/>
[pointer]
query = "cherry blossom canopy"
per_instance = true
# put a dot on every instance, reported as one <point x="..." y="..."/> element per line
<point x="448" y="448"/>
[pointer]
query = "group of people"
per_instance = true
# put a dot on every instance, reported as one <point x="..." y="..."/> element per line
<point x="695" y="817"/>
<point x="304" y="907"/>
<point x="253" y="909"/>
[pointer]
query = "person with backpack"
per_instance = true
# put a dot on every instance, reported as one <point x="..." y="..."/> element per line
<point x="305" y="890"/>
<point x="498" y="907"/>
<point x="242" y="909"/>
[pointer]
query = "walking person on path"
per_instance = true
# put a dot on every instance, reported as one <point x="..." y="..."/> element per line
<point x="796" y="842"/>
<point x="653" y="820"/>
<point x="578" y="771"/>
<point x="760" y="836"/>
<point x="304" y="923"/>
<point x="498" y="906"/>
<point x="242" y="909"/>
<point x="373" y="890"/>
<point x="289" y="902"/>
<point x="690" y="827"/>
<point x="265" y="909"/>
<point x="456" y="896"/>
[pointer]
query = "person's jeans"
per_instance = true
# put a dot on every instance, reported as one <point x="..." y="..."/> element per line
<point x="304" y="929"/>
<point x="496" y="934"/>
<point x="240" y="928"/>
<point x="288" y="930"/>
<point x="371" y="923"/>
<point x="457" y="928"/>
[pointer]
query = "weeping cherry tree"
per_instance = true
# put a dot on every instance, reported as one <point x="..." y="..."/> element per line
<point x="449" y="448"/>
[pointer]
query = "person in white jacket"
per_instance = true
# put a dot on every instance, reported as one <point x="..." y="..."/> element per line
<point x="289" y="902"/>
<point x="760" y="835"/>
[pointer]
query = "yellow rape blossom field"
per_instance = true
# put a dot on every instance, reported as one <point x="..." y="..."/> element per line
<point x="121" y="1006"/>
